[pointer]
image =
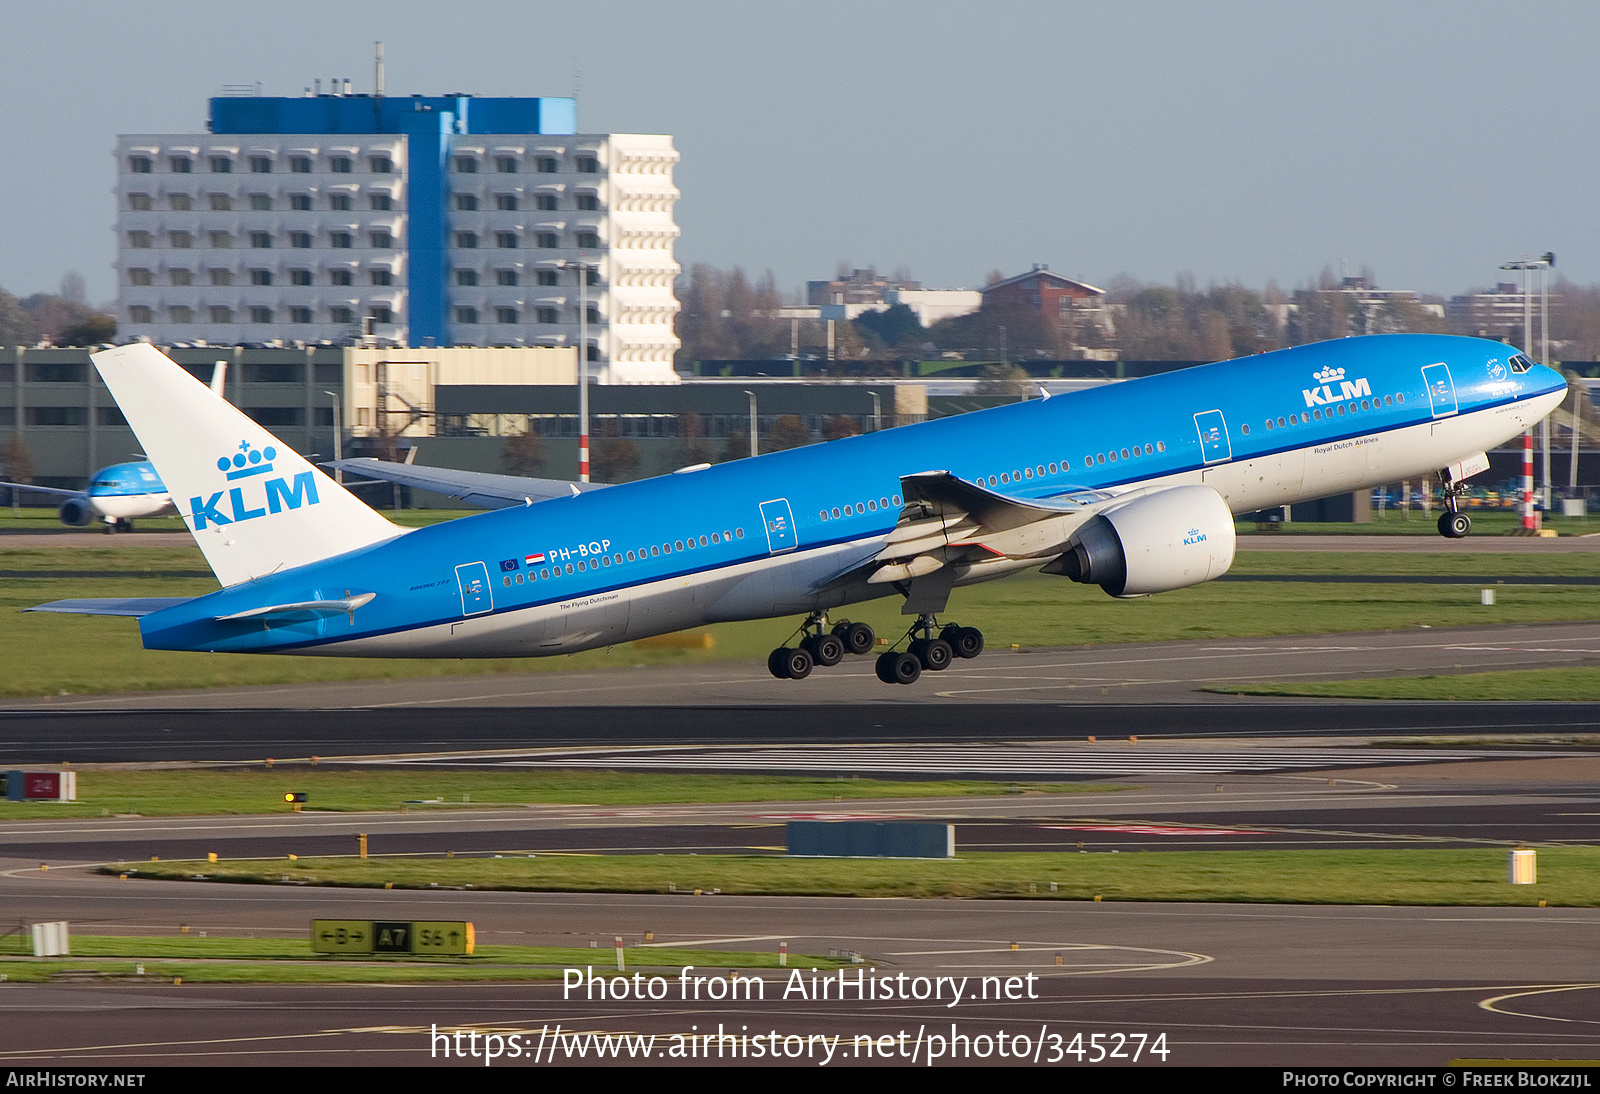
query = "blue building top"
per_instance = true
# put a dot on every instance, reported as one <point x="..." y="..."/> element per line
<point x="391" y="114"/>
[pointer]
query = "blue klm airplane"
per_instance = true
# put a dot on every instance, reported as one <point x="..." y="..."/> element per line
<point x="1132" y="487"/>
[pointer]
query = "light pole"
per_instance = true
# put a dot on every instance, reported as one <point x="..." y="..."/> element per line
<point x="877" y="411"/>
<point x="753" y="447"/>
<point x="1528" y="268"/>
<point x="338" y="437"/>
<point x="583" y="370"/>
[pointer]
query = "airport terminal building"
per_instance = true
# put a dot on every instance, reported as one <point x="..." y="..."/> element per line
<point x="443" y="221"/>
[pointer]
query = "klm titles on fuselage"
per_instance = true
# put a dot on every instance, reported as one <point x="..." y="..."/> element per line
<point x="1324" y="395"/>
<point x="252" y="464"/>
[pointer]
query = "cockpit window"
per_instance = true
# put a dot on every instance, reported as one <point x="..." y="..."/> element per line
<point x="1519" y="364"/>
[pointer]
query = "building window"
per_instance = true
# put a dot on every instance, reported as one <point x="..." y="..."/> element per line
<point x="221" y="165"/>
<point x="341" y="315"/>
<point x="138" y="240"/>
<point x="505" y="315"/>
<point x="139" y="202"/>
<point x="466" y="241"/>
<point x="466" y="165"/>
<point x="506" y="203"/>
<point x="546" y="315"/>
<point x="139" y="165"/>
<point x="261" y="240"/>
<point x="260" y="315"/>
<point x="139" y="277"/>
<point x="340" y="240"/>
<point x="382" y="277"/>
<point x="179" y="240"/>
<point x="588" y="165"/>
<point x="179" y="314"/>
<point x="547" y="240"/>
<point x="381" y="241"/>
<point x="466" y="315"/>
<point x="594" y="316"/>
<point x="588" y="239"/>
<point x="181" y="277"/>
<point x="588" y="201"/>
<point x="545" y="165"/>
<point x="339" y="202"/>
<point x="506" y="277"/>
<point x="261" y="165"/>
<point x="301" y="240"/>
<point x="466" y="277"/>
<point x="466" y="203"/>
<point x="381" y="165"/>
<point x="300" y="315"/>
<point x="300" y="203"/>
<point x="299" y="277"/>
<point x="220" y="203"/>
<point x="221" y="314"/>
<point x="180" y="165"/>
<point x="547" y="202"/>
<point x="339" y="165"/>
<point x="55" y="415"/>
<point x="382" y="315"/>
<point x="505" y="239"/>
<point x="339" y="277"/>
<point x="300" y="165"/>
<point x="381" y="202"/>
<point x="261" y="203"/>
<point x="260" y="277"/>
<point x="506" y="165"/>
<point x="222" y="277"/>
<point x="591" y="275"/>
<point x="546" y="277"/>
<point x="179" y="203"/>
<point x="139" y="314"/>
<point x="221" y="241"/>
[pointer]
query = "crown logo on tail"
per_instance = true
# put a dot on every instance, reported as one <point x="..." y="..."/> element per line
<point x="248" y="462"/>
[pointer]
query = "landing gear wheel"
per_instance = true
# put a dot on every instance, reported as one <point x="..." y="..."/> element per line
<point x="797" y="663"/>
<point x="1454" y="525"/>
<point x="898" y="668"/>
<point x="776" y="663"/>
<point x="932" y="653"/>
<point x="826" y="650"/>
<point x="124" y="525"/>
<point x="965" y="642"/>
<point x="858" y="638"/>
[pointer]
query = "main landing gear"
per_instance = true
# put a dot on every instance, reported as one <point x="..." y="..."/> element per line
<point x="1453" y="523"/>
<point x="928" y="652"/>
<point x="820" y="646"/>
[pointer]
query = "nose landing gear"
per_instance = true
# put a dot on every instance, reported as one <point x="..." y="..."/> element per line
<point x="1453" y="523"/>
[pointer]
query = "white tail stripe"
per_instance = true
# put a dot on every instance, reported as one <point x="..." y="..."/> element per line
<point x="253" y="504"/>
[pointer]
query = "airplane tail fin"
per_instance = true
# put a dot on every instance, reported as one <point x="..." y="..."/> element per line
<point x="253" y="505"/>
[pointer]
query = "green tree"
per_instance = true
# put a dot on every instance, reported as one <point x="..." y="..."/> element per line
<point x="1004" y="380"/>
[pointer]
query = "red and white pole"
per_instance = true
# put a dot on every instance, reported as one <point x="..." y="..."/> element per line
<point x="583" y="457"/>
<point x="1530" y="521"/>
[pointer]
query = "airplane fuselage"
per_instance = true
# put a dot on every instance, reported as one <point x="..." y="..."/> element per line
<point x="789" y="532"/>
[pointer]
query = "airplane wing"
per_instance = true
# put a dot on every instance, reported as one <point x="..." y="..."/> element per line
<point x="44" y="489"/>
<point x="477" y="488"/>
<point x="129" y="605"/>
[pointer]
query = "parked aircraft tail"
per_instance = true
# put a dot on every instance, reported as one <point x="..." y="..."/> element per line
<point x="253" y="505"/>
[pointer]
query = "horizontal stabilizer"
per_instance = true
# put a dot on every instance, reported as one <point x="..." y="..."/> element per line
<point x="477" y="488"/>
<point x="303" y="608"/>
<point x="126" y="605"/>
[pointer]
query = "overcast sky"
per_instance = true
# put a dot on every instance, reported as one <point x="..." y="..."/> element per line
<point x="1233" y="141"/>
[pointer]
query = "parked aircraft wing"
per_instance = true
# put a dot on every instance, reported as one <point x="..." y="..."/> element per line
<point x="477" y="488"/>
<point x="126" y="605"/>
<point x="28" y="486"/>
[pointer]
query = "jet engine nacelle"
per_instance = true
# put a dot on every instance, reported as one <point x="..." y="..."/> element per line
<point x="1167" y="540"/>
<point x="76" y="512"/>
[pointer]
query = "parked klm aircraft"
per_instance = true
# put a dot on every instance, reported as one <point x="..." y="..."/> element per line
<point x="118" y="494"/>
<point x="1132" y="487"/>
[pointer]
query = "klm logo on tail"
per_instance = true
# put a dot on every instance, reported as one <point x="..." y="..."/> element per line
<point x="250" y="463"/>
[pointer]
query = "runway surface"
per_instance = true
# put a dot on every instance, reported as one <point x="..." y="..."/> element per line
<point x="1149" y="672"/>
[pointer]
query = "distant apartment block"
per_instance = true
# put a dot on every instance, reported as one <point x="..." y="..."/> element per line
<point x="450" y="221"/>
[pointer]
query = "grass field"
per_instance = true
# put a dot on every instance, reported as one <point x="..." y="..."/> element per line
<point x="57" y="654"/>
<point x="1568" y="876"/>
<point x="1485" y="522"/>
<point x="259" y="789"/>
<point x="1580" y="684"/>
<point x="280" y="961"/>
